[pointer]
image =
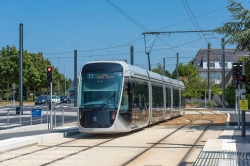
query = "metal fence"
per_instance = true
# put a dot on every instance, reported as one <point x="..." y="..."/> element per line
<point x="30" y="116"/>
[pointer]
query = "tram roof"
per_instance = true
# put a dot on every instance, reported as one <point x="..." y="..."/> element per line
<point x="130" y="70"/>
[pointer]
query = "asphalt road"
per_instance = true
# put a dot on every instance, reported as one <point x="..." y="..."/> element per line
<point x="234" y="116"/>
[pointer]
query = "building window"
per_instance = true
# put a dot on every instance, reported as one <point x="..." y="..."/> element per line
<point x="197" y="64"/>
<point x="226" y="65"/>
<point x="212" y="65"/>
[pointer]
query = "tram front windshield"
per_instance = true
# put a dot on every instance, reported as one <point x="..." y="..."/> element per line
<point x="100" y="91"/>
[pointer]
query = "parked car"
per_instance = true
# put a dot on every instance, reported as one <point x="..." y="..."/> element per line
<point x="65" y="99"/>
<point x="55" y="99"/>
<point x="43" y="99"/>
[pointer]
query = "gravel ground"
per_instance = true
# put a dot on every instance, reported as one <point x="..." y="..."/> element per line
<point x="219" y="120"/>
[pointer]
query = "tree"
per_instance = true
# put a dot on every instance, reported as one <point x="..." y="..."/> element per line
<point x="34" y="72"/>
<point x="8" y="67"/>
<point x="189" y="75"/>
<point x="160" y="70"/>
<point x="238" y="32"/>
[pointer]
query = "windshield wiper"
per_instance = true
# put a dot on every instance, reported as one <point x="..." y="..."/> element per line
<point x="105" y="102"/>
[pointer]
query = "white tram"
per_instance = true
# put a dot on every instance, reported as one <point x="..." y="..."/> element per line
<point x="114" y="97"/>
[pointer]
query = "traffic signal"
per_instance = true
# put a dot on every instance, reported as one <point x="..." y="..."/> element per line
<point x="237" y="73"/>
<point x="49" y="74"/>
<point x="235" y="70"/>
<point x="241" y="78"/>
<point x="240" y="68"/>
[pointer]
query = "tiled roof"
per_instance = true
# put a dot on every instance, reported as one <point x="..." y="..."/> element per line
<point x="216" y="55"/>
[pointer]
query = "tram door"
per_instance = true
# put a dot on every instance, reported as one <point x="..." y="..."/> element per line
<point x="140" y="101"/>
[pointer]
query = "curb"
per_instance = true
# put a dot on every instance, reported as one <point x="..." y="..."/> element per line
<point x="22" y="142"/>
<point x="25" y="128"/>
<point x="228" y="119"/>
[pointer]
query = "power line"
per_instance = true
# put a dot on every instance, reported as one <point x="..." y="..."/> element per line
<point x="190" y="16"/>
<point x="128" y="16"/>
<point x="196" y="21"/>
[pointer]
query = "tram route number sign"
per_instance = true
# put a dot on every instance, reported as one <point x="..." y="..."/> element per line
<point x="244" y="105"/>
<point x="36" y="112"/>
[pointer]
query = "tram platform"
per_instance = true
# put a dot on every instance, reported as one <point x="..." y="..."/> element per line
<point x="230" y="148"/>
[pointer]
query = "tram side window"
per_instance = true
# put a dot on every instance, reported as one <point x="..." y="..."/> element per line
<point x="176" y="97"/>
<point x="124" y="102"/>
<point x="157" y="95"/>
<point x="168" y="97"/>
<point x="140" y="94"/>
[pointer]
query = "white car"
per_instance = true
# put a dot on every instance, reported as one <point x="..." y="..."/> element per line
<point x="56" y="99"/>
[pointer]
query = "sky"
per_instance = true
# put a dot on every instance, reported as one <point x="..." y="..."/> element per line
<point x="105" y="29"/>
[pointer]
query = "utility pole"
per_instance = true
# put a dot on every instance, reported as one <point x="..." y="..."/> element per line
<point x="132" y="54"/>
<point x="58" y="94"/>
<point x="149" y="65"/>
<point x="75" y="78"/>
<point x="208" y="71"/>
<point x="223" y="73"/>
<point x="164" y="67"/>
<point x="20" y="66"/>
<point x="177" y="65"/>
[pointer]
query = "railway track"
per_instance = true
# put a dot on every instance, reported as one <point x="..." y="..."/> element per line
<point x="86" y="145"/>
<point x="158" y="142"/>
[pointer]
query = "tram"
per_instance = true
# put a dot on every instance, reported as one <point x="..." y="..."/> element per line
<point x="115" y="97"/>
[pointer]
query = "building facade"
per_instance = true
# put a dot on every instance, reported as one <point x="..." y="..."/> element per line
<point x="215" y="56"/>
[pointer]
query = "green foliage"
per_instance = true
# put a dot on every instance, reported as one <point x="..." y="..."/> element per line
<point x="160" y="70"/>
<point x="209" y="104"/>
<point x="237" y="32"/>
<point x="195" y="86"/>
<point x="230" y="94"/>
<point x="34" y="73"/>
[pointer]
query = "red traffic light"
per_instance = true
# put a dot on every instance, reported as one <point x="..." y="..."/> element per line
<point x="49" y="74"/>
<point x="49" y="69"/>
<point x="241" y="78"/>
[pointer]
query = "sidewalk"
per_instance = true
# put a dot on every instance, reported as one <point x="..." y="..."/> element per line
<point x="33" y="136"/>
<point x="229" y="149"/>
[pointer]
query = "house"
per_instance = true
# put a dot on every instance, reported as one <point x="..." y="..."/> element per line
<point x="201" y="62"/>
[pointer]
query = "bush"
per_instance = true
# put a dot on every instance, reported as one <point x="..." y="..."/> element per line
<point x="209" y="104"/>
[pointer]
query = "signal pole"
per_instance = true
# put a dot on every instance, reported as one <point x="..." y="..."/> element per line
<point x="243" y="117"/>
<point x="51" y="118"/>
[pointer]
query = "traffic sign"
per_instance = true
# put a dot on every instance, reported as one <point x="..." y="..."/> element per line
<point x="36" y="112"/>
<point x="244" y="105"/>
<point x="243" y="97"/>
